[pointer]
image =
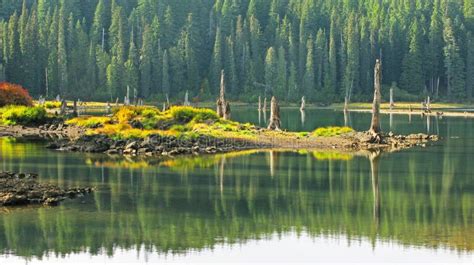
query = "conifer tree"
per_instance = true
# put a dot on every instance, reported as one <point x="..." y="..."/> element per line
<point x="412" y="79"/>
<point x="270" y="71"/>
<point x="308" y="84"/>
<point x="453" y="62"/>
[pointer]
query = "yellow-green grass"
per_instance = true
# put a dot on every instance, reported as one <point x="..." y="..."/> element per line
<point x="89" y="122"/>
<point x="187" y="122"/>
<point x="22" y="115"/>
<point x="331" y="131"/>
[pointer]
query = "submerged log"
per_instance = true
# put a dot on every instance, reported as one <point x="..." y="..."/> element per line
<point x="375" y="129"/>
<point x="275" y="121"/>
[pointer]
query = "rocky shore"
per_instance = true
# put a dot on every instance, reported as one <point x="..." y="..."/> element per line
<point x="19" y="189"/>
<point x="74" y="139"/>
<point x="154" y="145"/>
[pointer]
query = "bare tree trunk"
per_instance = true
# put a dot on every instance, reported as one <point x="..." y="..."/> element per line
<point x="259" y="103"/>
<point x="303" y="104"/>
<point x="392" y="102"/>
<point x="223" y="107"/>
<point x="220" y="108"/>
<point x="264" y="109"/>
<point x="375" y="125"/>
<point x="74" y="109"/>
<point x="227" y="111"/>
<point x="346" y="104"/>
<point x="275" y="122"/>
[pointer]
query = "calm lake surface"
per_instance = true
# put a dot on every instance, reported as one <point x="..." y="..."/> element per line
<point x="254" y="206"/>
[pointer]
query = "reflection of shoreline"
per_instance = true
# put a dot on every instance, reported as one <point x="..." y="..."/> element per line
<point x="203" y="161"/>
<point x="157" y="206"/>
<point x="288" y="247"/>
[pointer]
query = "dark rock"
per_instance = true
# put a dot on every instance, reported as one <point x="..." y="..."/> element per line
<point x="22" y="189"/>
<point x="53" y="146"/>
<point x="11" y="199"/>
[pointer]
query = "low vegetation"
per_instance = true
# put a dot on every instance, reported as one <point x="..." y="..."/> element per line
<point x="11" y="94"/>
<point x="186" y="122"/>
<point x="52" y="104"/>
<point x="22" y="115"/>
<point x="139" y="122"/>
<point x="331" y="131"/>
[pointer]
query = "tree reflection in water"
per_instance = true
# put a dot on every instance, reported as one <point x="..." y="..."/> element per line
<point x="192" y="203"/>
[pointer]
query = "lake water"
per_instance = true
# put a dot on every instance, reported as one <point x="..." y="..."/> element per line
<point x="254" y="206"/>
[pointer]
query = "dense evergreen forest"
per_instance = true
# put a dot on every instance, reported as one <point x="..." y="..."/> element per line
<point x="322" y="49"/>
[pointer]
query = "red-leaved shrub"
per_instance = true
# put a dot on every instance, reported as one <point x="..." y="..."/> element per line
<point x="11" y="94"/>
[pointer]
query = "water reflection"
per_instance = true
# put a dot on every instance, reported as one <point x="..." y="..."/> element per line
<point x="423" y="197"/>
<point x="347" y="119"/>
<point x="303" y="116"/>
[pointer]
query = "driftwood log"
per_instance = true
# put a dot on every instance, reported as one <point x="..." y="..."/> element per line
<point x="275" y="121"/>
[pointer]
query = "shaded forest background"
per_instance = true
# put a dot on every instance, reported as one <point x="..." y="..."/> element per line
<point x="322" y="49"/>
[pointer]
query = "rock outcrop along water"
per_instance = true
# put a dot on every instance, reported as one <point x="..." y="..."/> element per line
<point x="19" y="189"/>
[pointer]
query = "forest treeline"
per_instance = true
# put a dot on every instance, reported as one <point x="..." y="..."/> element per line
<point x="322" y="49"/>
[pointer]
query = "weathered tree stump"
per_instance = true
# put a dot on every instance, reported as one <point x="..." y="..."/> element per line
<point x="227" y="111"/>
<point x="303" y="104"/>
<point x="264" y="108"/>
<point x="275" y="121"/>
<point x="223" y="107"/>
<point x="186" y="99"/>
<point x="259" y="103"/>
<point x="392" y="101"/>
<point x="63" y="108"/>
<point x="220" y="108"/>
<point x="75" y="113"/>
<point x="375" y="129"/>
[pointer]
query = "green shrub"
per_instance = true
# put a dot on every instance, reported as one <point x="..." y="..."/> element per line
<point x="22" y="115"/>
<point x="187" y="114"/>
<point x="331" y="131"/>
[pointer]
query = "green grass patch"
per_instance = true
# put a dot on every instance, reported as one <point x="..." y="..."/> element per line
<point x="89" y="122"/>
<point x="331" y="131"/>
<point x="22" y="115"/>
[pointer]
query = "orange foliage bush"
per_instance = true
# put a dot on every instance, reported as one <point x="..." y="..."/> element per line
<point x="11" y="94"/>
